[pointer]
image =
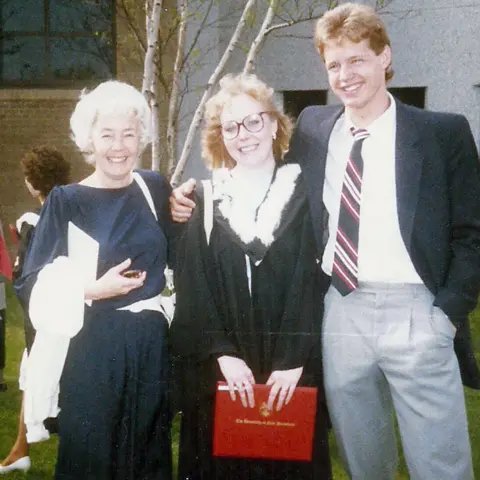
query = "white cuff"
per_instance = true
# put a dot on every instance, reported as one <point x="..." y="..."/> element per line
<point x="36" y="432"/>
<point x="57" y="299"/>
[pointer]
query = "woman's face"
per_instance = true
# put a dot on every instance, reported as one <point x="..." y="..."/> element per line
<point x="116" y="143"/>
<point x="249" y="148"/>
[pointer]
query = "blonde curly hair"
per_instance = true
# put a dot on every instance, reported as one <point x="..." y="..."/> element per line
<point x="214" y="151"/>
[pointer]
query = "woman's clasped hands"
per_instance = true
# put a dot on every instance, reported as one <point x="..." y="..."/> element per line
<point x="240" y="379"/>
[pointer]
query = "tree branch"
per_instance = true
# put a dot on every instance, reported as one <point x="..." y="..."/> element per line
<point x="197" y="117"/>
<point x="131" y="25"/>
<point x="260" y="38"/>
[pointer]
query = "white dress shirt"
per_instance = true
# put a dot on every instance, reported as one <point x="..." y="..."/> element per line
<point x="382" y="254"/>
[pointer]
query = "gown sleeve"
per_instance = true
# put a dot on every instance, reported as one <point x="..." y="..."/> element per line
<point x="299" y="339"/>
<point x="196" y="329"/>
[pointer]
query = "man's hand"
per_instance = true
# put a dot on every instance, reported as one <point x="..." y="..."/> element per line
<point x="181" y="206"/>
<point x="239" y="377"/>
<point x="283" y="384"/>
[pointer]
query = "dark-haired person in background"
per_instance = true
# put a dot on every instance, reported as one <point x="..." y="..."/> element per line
<point x="43" y="168"/>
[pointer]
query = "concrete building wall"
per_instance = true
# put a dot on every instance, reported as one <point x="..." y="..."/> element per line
<point x="435" y="45"/>
<point x="207" y="50"/>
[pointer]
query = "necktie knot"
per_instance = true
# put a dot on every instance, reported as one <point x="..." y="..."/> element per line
<point x="359" y="134"/>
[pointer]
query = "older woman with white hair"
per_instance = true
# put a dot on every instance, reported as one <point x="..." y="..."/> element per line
<point x="92" y="277"/>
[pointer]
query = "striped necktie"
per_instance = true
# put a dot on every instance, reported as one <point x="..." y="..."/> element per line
<point x="345" y="260"/>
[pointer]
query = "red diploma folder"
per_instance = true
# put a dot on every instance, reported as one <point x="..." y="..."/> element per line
<point x="260" y="433"/>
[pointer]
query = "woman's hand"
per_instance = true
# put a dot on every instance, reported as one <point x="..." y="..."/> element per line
<point x="181" y="207"/>
<point x="113" y="283"/>
<point x="239" y="376"/>
<point x="283" y="384"/>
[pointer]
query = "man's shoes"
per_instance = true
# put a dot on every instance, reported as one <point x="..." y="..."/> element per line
<point x="23" y="463"/>
<point x="3" y="387"/>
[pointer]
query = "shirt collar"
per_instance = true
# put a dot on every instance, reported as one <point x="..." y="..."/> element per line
<point x="386" y="121"/>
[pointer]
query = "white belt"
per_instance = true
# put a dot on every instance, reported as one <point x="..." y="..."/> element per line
<point x="158" y="303"/>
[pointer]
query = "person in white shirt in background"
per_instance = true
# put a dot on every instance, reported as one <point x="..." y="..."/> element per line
<point x="43" y="168"/>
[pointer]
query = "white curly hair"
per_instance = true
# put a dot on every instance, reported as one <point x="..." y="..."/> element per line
<point x="107" y="98"/>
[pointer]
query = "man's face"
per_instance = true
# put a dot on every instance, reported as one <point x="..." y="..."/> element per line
<point x="356" y="74"/>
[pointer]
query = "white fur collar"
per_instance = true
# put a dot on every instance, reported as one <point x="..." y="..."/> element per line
<point x="242" y="220"/>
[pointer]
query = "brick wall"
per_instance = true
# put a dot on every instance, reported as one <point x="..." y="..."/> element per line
<point x="29" y="118"/>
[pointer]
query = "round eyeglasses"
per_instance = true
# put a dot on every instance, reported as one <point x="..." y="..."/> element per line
<point x="253" y="123"/>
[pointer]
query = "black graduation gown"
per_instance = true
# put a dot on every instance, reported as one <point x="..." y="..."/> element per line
<point x="275" y="327"/>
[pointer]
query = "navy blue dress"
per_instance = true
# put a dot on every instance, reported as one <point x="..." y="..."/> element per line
<point x="115" y="420"/>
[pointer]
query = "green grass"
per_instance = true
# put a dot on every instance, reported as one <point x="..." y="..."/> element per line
<point x="43" y="454"/>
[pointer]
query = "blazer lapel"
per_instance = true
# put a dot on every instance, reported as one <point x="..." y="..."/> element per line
<point x="408" y="169"/>
<point x="314" y="170"/>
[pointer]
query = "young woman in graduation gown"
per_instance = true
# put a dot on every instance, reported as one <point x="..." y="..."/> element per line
<point x="249" y="306"/>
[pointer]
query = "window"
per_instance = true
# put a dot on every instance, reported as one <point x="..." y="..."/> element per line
<point x="56" y="42"/>
<point x="410" y="95"/>
<point x="295" y="101"/>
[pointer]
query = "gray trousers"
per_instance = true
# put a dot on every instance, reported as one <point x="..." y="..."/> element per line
<point x="387" y="349"/>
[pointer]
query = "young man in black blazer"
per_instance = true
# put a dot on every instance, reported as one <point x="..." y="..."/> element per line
<point x="405" y="272"/>
<point x="394" y="194"/>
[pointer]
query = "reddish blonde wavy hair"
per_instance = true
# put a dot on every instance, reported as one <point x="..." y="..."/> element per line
<point x="354" y="22"/>
<point x="214" y="151"/>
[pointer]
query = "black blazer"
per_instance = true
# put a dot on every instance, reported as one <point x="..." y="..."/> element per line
<point x="438" y="201"/>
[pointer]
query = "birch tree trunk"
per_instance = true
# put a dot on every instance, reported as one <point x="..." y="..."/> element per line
<point x="197" y="117"/>
<point x="152" y="16"/>
<point x="155" y="129"/>
<point x="173" y="103"/>
<point x="260" y="38"/>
